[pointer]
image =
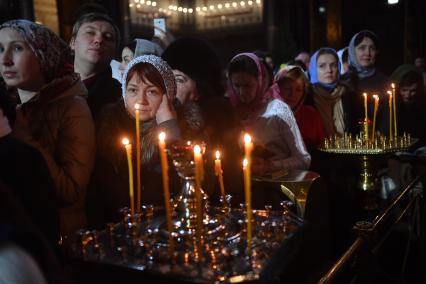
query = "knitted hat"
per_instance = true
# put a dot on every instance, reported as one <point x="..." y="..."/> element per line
<point x="197" y="59"/>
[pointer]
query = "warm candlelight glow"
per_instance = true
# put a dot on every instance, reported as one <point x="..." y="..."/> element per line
<point x="166" y="189"/>
<point x="247" y="193"/>
<point x="390" y="115"/>
<point x="395" y="129"/>
<point x="219" y="173"/>
<point x="198" y="160"/>
<point x="128" y="148"/>
<point x="247" y="138"/>
<point x="366" y="116"/>
<point x="162" y="136"/>
<point x="138" y="159"/>
<point x="376" y="106"/>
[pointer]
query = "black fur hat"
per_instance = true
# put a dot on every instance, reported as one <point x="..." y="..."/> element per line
<point x="197" y="59"/>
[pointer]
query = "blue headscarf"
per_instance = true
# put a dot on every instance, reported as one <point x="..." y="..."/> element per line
<point x="313" y="69"/>
<point x="363" y="72"/>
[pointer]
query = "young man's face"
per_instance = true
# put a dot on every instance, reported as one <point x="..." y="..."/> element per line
<point x="94" y="43"/>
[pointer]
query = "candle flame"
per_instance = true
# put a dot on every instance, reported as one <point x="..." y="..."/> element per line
<point x="365" y="95"/>
<point x="162" y="136"/>
<point x="245" y="163"/>
<point x="247" y="138"/>
<point x="125" y="141"/>
<point x="188" y="143"/>
<point x="393" y="86"/>
<point x="197" y="149"/>
<point x="137" y="106"/>
<point x="376" y="97"/>
<point x="389" y="92"/>
<point x="217" y="155"/>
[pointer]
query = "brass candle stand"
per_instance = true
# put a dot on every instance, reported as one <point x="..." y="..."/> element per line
<point x="366" y="151"/>
<point x="141" y="242"/>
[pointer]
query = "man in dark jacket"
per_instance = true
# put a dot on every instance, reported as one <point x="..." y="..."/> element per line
<point x="95" y="39"/>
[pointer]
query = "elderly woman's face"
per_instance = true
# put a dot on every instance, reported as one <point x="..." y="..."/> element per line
<point x="141" y="91"/>
<point x="366" y="52"/>
<point x="19" y="66"/>
<point x="186" y="87"/>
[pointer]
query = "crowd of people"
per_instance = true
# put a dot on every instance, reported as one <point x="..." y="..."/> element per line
<point x="65" y="107"/>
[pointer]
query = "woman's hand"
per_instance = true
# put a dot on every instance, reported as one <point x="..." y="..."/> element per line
<point x="165" y="111"/>
<point x="4" y="125"/>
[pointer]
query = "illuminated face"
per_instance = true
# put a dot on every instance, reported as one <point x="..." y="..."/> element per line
<point x="245" y="85"/>
<point x="327" y="68"/>
<point x="408" y="93"/>
<point x="147" y="95"/>
<point x="292" y="91"/>
<point x="126" y="56"/>
<point x="19" y="66"/>
<point x="94" y="43"/>
<point x="366" y="52"/>
<point x="186" y="87"/>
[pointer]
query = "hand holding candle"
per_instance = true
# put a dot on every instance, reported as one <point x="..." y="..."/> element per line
<point x="128" y="147"/>
<point x="219" y="173"/>
<point x="376" y="106"/>
<point x="138" y="159"/>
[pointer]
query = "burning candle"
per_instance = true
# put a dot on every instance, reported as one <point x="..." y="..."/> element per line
<point x="219" y="173"/>
<point x="365" y="116"/>
<point x="138" y="159"/>
<point x="395" y="132"/>
<point x="198" y="160"/>
<point x="390" y="115"/>
<point x="128" y="147"/>
<point x="166" y="189"/>
<point x="376" y="106"/>
<point x="248" y="147"/>
<point x="247" y="193"/>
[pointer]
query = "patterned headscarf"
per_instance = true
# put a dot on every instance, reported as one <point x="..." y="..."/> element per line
<point x="53" y="53"/>
<point x="363" y="72"/>
<point x="313" y="69"/>
<point x="265" y="91"/>
<point x="161" y="66"/>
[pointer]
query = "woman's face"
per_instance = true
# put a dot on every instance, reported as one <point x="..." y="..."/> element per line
<point x="408" y="93"/>
<point x="366" y="52"/>
<point x="19" y="66"/>
<point x="327" y="68"/>
<point x="292" y="91"/>
<point x="126" y="57"/>
<point x="186" y="87"/>
<point x="245" y="85"/>
<point x="147" y="95"/>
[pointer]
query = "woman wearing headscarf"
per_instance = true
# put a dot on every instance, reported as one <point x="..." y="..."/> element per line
<point x="53" y="116"/>
<point x="149" y="82"/>
<point x="411" y="101"/>
<point x="364" y="77"/>
<point x="331" y="98"/>
<point x="295" y="91"/>
<point x="261" y="111"/>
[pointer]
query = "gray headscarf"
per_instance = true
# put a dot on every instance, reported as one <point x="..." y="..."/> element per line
<point x="53" y="53"/>
<point x="161" y="66"/>
<point x="363" y="72"/>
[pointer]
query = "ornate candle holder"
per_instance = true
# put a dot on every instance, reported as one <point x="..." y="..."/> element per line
<point x="366" y="151"/>
<point x="141" y="242"/>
